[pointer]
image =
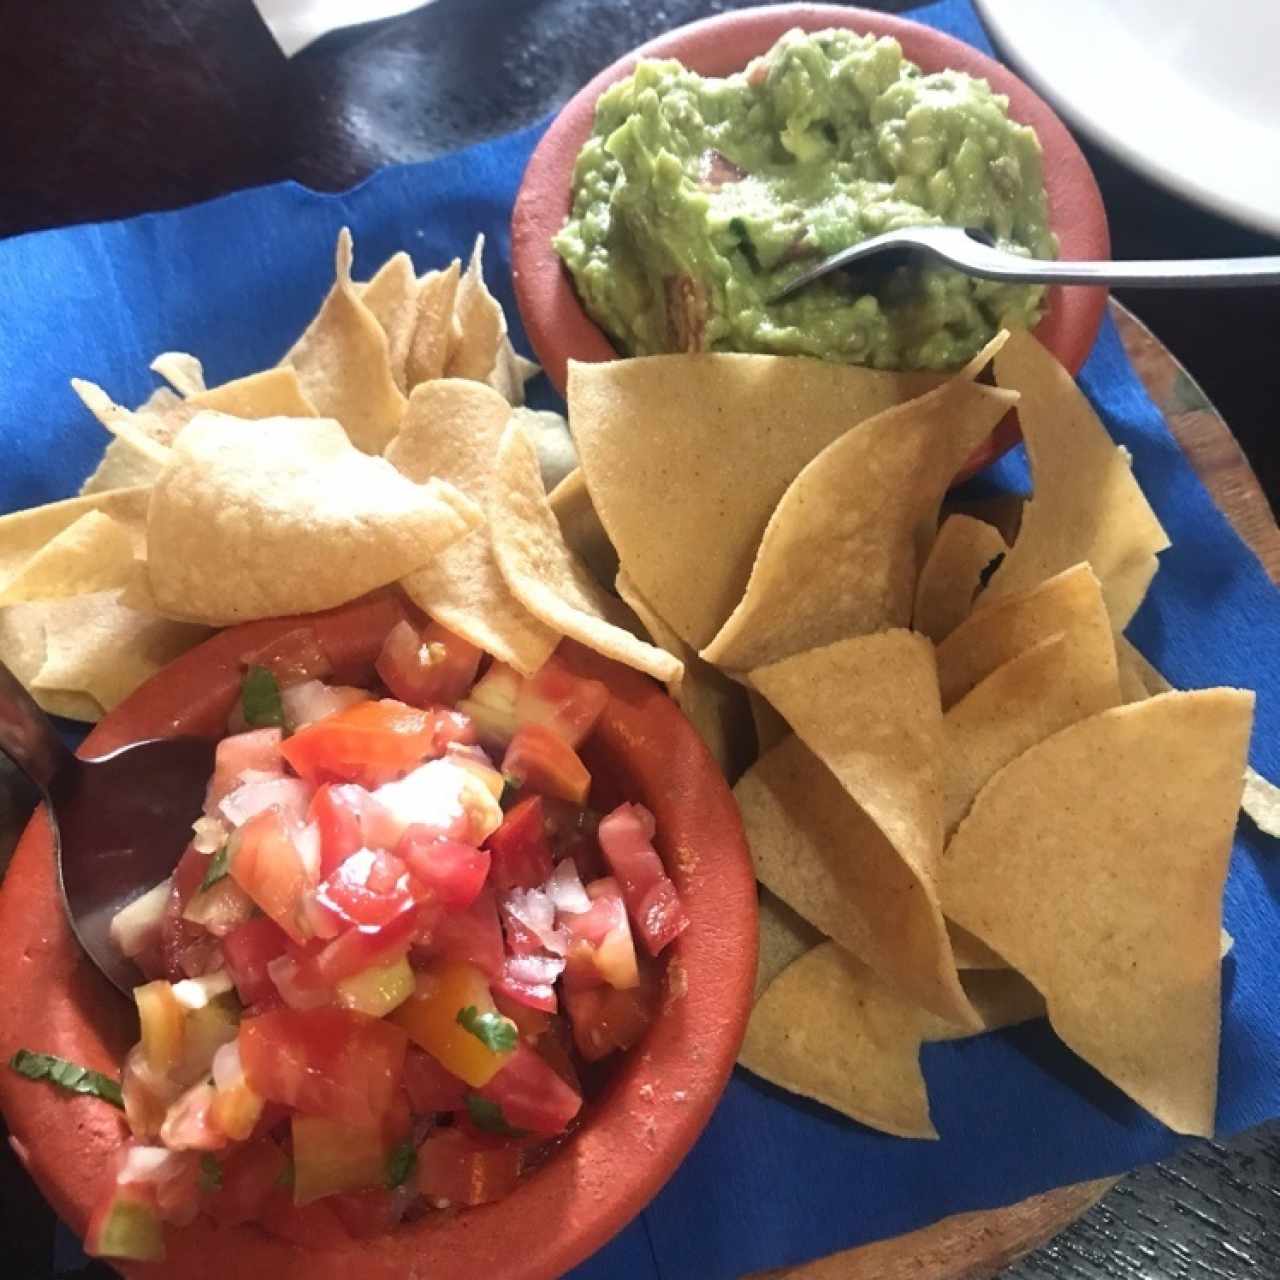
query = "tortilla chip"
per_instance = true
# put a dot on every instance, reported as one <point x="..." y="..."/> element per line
<point x="971" y="952"/>
<point x="433" y="325"/>
<point x="24" y="533"/>
<point x="841" y="552"/>
<point x="829" y="1029"/>
<point x="122" y="465"/>
<point x="95" y="645"/>
<point x="686" y="457"/>
<point x="990" y="636"/>
<point x="1065" y="678"/>
<point x="272" y="393"/>
<point x="714" y="704"/>
<point x="478" y="323"/>
<point x="451" y="430"/>
<point x="961" y="553"/>
<point x="511" y="371"/>
<point x="1086" y="504"/>
<point x="1261" y="801"/>
<point x="344" y="362"/>
<point x="22" y="650"/>
<point x="581" y="527"/>
<point x="544" y="575"/>
<point x="1095" y="863"/>
<point x="550" y="432"/>
<point x="96" y="553"/>
<point x="392" y="296"/>
<point x="255" y="519"/>
<point x="784" y="937"/>
<point x="1003" y="511"/>
<point x="181" y="370"/>
<point x="770" y="727"/>
<point x="141" y="431"/>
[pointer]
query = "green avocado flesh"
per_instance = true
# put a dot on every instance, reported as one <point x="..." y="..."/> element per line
<point x="696" y="199"/>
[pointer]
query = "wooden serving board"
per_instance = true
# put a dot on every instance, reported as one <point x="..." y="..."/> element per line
<point x="975" y="1246"/>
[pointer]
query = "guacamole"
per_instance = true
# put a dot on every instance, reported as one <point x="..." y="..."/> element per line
<point x="696" y="199"/>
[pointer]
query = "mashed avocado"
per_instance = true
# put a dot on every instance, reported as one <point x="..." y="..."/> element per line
<point x="696" y="199"/>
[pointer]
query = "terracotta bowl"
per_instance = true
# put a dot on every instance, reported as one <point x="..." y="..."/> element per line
<point x="635" y="1132"/>
<point x="560" y="330"/>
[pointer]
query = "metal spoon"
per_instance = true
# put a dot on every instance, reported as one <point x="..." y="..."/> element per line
<point x="973" y="252"/>
<point x="120" y="822"/>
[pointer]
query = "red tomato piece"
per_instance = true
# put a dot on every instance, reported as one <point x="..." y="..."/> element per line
<point x="265" y="861"/>
<point x="531" y="1023"/>
<point x="542" y="761"/>
<point x="250" y="1174"/>
<point x="521" y="853"/>
<point x="371" y="888"/>
<point x="450" y="872"/>
<point x="313" y="1226"/>
<point x="454" y="1168"/>
<point x="532" y="1096"/>
<point x="326" y="1062"/>
<point x="473" y="936"/>
<point x="185" y="949"/>
<point x="430" y="1086"/>
<point x="367" y="1214"/>
<point x="600" y="944"/>
<point x="626" y="837"/>
<point x="292" y="658"/>
<point x="257" y="751"/>
<point x="605" y="1019"/>
<point x="429" y="668"/>
<point x="567" y="704"/>
<point x="373" y="742"/>
<point x="248" y="949"/>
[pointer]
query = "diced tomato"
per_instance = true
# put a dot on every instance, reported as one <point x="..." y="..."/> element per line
<point x="331" y="1156"/>
<point x="349" y="818"/>
<point x="366" y="1215"/>
<point x="473" y="936"/>
<point x="600" y="944"/>
<point x="521" y="854"/>
<point x="446" y="798"/>
<point x="431" y="668"/>
<point x="188" y="1124"/>
<point x="147" y="1094"/>
<point x="257" y="751"/>
<point x="313" y="1226"/>
<point x="163" y="1022"/>
<point x="355" y="949"/>
<point x="532" y="1096"/>
<point x="250" y="1174"/>
<point x="292" y="658"/>
<point x="326" y="1062"/>
<point x="556" y="1047"/>
<point x="373" y="742"/>
<point x="185" y="948"/>
<point x="429" y="1086"/>
<point x="265" y="860"/>
<point x="605" y="1019"/>
<point x="371" y="887"/>
<point x="542" y="761"/>
<point x="454" y="1169"/>
<point x="567" y="704"/>
<point x="249" y="948"/>
<point x="452" y="873"/>
<point x="290" y="795"/>
<point x="430" y="1017"/>
<point x="626" y="837"/>
<point x="491" y="704"/>
<point x="531" y="1023"/>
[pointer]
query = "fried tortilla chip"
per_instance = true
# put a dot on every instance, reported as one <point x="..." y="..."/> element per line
<point x="478" y="323"/>
<point x="1095" y="863"/>
<point x="841" y="552"/>
<point x="271" y="393"/>
<point x="581" y="527"/>
<point x="715" y="705"/>
<point x="686" y="457"/>
<point x="251" y="520"/>
<point x="971" y="952"/>
<point x="1065" y="678"/>
<point x="181" y="370"/>
<point x="1086" y="504"/>
<point x="544" y="575"/>
<point x="510" y="371"/>
<point x="556" y="454"/>
<point x="1261" y="801"/>
<point x="95" y="553"/>
<point x="392" y="296"/>
<point x="990" y="636"/>
<point x="344" y="362"/>
<point x="784" y="937"/>
<point x="829" y="1029"/>
<point x="433" y="325"/>
<point x="24" y="533"/>
<point x="22" y="650"/>
<point x="97" y="646"/>
<point x="961" y="553"/>
<point x="141" y="431"/>
<point x="770" y="727"/>
<point x="122" y="465"/>
<point x="451" y="430"/>
<point x="1003" y="511"/>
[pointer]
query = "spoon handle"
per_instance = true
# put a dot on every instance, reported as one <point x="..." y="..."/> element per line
<point x="27" y="735"/>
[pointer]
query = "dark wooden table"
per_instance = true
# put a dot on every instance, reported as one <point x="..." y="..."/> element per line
<point x="114" y="107"/>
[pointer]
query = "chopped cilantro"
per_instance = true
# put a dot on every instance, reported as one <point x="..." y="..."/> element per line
<point x="67" y="1075"/>
<point x="217" y="869"/>
<point x="400" y="1164"/>
<point x="496" y="1033"/>
<point x="488" y="1116"/>
<point x="260" y="698"/>
<point x="210" y="1173"/>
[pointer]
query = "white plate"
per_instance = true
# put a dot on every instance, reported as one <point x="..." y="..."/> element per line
<point x="1186" y="91"/>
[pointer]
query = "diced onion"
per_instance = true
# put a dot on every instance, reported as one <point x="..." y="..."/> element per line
<point x="535" y="910"/>
<point x="535" y="969"/>
<point x="564" y="888"/>
<point x="209" y="834"/>
<point x="134" y="927"/>
<point x="290" y="795"/>
<point x="312" y="700"/>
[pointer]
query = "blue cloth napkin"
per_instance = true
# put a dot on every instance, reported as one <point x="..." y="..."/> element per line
<point x="774" y="1180"/>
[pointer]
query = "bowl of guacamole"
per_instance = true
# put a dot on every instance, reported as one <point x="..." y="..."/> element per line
<point x="679" y="191"/>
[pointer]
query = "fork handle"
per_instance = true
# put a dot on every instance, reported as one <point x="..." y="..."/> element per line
<point x="27" y="735"/>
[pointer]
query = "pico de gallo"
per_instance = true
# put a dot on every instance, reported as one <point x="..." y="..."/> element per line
<point x="396" y="941"/>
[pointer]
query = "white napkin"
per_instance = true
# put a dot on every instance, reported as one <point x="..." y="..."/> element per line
<point x="296" y="23"/>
